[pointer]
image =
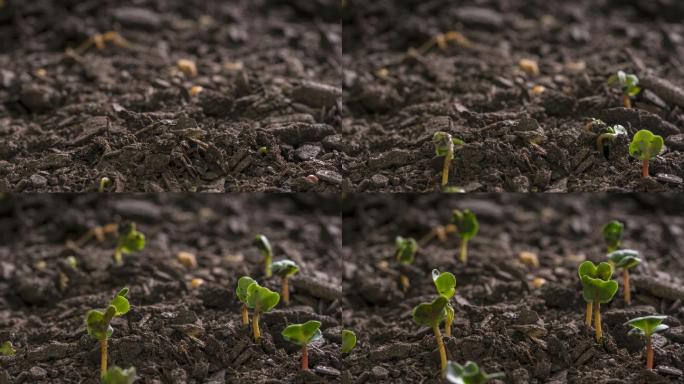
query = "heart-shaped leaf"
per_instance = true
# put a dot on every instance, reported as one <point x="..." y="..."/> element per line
<point x="647" y="325"/>
<point x="261" y="299"/>
<point x="120" y="303"/>
<point x="625" y="258"/>
<point x="596" y="281"/>
<point x="466" y="223"/>
<point x="430" y="314"/>
<point x="348" y="340"/>
<point x="96" y="325"/>
<point x="302" y="334"/>
<point x="241" y="291"/>
<point x="445" y="283"/>
<point x="645" y="145"/>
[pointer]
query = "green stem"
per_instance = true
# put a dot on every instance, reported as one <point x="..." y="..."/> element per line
<point x="464" y="251"/>
<point x="267" y="266"/>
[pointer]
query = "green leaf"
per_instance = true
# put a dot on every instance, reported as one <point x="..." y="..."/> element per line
<point x="302" y="334"/>
<point x="7" y="349"/>
<point x="131" y="242"/>
<point x="348" y="340"/>
<point x="445" y="283"/>
<point x="617" y="129"/>
<point x="96" y="325"/>
<point x="430" y="314"/>
<point x="243" y="283"/>
<point x="468" y="374"/>
<point x="263" y="245"/>
<point x="625" y="258"/>
<point x="120" y="303"/>
<point x="597" y="279"/>
<point x="612" y="233"/>
<point x="405" y="249"/>
<point x="633" y="91"/>
<point x="631" y="80"/>
<point x="444" y="144"/>
<point x="116" y="375"/>
<point x="284" y="268"/>
<point x="645" y="145"/>
<point x="261" y="299"/>
<point x="647" y="325"/>
<point x="466" y="223"/>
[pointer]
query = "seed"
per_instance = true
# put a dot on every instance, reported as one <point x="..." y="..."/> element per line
<point x="196" y="282"/>
<point x="529" y="66"/>
<point x="538" y="90"/>
<point x="194" y="91"/>
<point x="187" y="259"/>
<point x="188" y="67"/>
<point x="528" y="258"/>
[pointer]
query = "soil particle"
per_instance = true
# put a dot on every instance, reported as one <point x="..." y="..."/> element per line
<point x="317" y="95"/>
<point x="299" y="133"/>
<point x="379" y="181"/>
<point x="135" y="17"/>
<point x="328" y="176"/>
<point x="307" y="152"/>
<point x="38" y="98"/>
<point x="37" y="373"/>
<point x="379" y="373"/>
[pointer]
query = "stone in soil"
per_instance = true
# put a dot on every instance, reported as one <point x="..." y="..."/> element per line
<point x="328" y="176"/>
<point x="307" y="152"/>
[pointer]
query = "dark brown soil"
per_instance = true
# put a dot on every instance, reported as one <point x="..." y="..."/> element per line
<point x="174" y="333"/>
<point x="395" y="102"/>
<point x="534" y="335"/>
<point x="269" y="70"/>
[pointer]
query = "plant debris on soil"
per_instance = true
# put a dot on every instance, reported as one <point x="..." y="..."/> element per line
<point x="170" y="95"/>
<point x="534" y="334"/>
<point x="517" y="80"/>
<point x="176" y="331"/>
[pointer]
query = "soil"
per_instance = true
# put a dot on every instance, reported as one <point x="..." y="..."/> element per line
<point x="504" y="323"/>
<point x="269" y="72"/>
<point x="397" y="96"/>
<point x="174" y="333"/>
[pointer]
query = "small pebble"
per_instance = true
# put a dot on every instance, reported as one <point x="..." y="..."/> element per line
<point x="331" y="177"/>
<point x="38" y="181"/>
<point x="379" y="181"/>
<point x="307" y="152"/>
<point x="38" y="373"/>
<point x="380" y="373"/>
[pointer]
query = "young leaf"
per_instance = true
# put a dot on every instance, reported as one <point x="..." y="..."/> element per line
<point x="468" y="374"/>
<point x="596" y="279"/>
<point x="430" y="314"/>
<point x="445" y="283"/>
<point x="120" y="303"/>
<point x="612" y="234"/>
<point x="263" y="245"/>
<point x="625" y="258"/>
<point x="647" y="325"/>
<point x="348" y="340"/>
<point x="96" y="325"/>
<point x="284" y="268"/>
<point x="405" y="249"/>
<point x="241" y="292"/>
<point x="116" y="375"/>
<point x="7" y="349"/>
<point x="261" y="299"/>
<point x="133" y="241"/>
<point x="645" y="145"/>
<point x="466" y="223"/>
<point x="444" y="144"/>
<point x="303" y="334"/>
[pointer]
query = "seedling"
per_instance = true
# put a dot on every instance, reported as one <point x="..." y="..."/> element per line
<point x="612" y="234"/>
<point x="466" y="227"/>
<point x="116" y="375"/>
<point x="7" y="349"/>
<point x="303" y="335"/>
<point x="100" y="42"/>
<point x="260" y="299"/>
<point x="445" y="283"/>
<point x="629" y="85"/>
<point x="609" y="134"/>
<point x="266" y="251"/>
<point x="348" y="340"/>
<point x="405" y="251"/>
<point x="98" y="324"/>
<point x="130" y="242"/>
<point x="241" y="292"/>
<point x="647" y="326"/>
<point x="469" y="373"/>
<point x="263" y="151"/>
<point x="284" y="269"/>
<point x="625" y="259"/>
<point x="444" y="146"/>
<point x="430" y="315"/>
<point x="645" y="146"/>
<point x="597" y="288"/>
<point x="104" y="182"/>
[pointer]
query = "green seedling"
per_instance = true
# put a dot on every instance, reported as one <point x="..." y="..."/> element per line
<point x="445" y="283"/>
<point x="98" y="324"/>
<point x="597" y="288"/>
<point x="132" y="241"/>
<point x="612" y="234"/>
<point x="405" y="251"/>
<point x="72" y="262"/>
<point x="303" y="335"/>
<point x="444" y="147"/>
<point x="104" y="182"/>
<point x="241" y="292"/>
<point x="7" y="349"/>
<point x="266" y="251"/>
<point x="645" y="146"/>
<point x="284" y="269"/>
<point x="469" y="373"/>
<point x="625" y="259"/>
<point x="260" y="299"/>
<point x="430" y="315"/>
<point x="609" y="135"/>
<point x="466" y="227"/>
<point x="629" y="83"/>
<point x="348" y="340"/>
<point x="647" y="326"/>
<point x="116" y="375"/>
<point x="263" y="151"/>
